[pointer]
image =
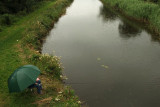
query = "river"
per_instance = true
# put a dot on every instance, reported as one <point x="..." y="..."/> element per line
<point x="109" y="60"/>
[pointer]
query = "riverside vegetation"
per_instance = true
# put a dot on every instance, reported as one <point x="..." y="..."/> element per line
<point x="147" y="11"/>
<point x="20" y="43"/>
<point x="13" y="10"/>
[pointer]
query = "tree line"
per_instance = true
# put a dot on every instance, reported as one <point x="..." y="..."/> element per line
<point x="12" y="10"/>
<point x="15" y="6"/>
<point x="154" y="1"/>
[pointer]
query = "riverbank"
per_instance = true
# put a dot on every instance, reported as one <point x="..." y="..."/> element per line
<point x="146" y="12"/>
<point x="20" y="45"/>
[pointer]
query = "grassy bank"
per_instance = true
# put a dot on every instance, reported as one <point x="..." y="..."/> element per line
<point x="20" y="45"/>
<point x="146" y="12"/>
<point x="13" y="10"/>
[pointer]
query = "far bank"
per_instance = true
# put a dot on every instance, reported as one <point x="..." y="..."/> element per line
<point x="142" y="11"/>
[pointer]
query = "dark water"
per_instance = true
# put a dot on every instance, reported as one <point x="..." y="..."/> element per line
<point x="110" y="62"/>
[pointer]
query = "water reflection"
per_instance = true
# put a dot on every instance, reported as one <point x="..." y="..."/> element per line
<point x="127" y="31"/>
<point x="107" y="14"/>
<point x="155" y="38"/>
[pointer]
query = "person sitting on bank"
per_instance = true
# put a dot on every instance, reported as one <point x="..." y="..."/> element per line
<point x="38" y="85"/>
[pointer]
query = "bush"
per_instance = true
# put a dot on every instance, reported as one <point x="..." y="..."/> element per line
<point x="47" y="63"/>
<point x="14" y="6"/>
<point x="7" y="19"/>
<point x="155" y="1"/>
<point x="11" y="10"/>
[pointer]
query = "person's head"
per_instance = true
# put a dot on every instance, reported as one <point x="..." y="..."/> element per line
<point x="37" y="79"/>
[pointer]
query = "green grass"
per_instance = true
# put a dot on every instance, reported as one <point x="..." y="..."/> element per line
<point x="139" y="10"/>
<point x="19" y="44"/>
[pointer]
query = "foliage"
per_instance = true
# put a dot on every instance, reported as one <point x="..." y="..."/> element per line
<point x="47" y="63"/>
<point x="7" y="19"/>
<point x="67" y="97"/>
<point x="140" y="10"/>
<point x="13" y="10"/>
<point x="14" y="6"/>
<point x="154" y="1"/>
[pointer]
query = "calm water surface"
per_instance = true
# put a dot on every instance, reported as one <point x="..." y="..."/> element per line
<point x="110" y="62"/>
